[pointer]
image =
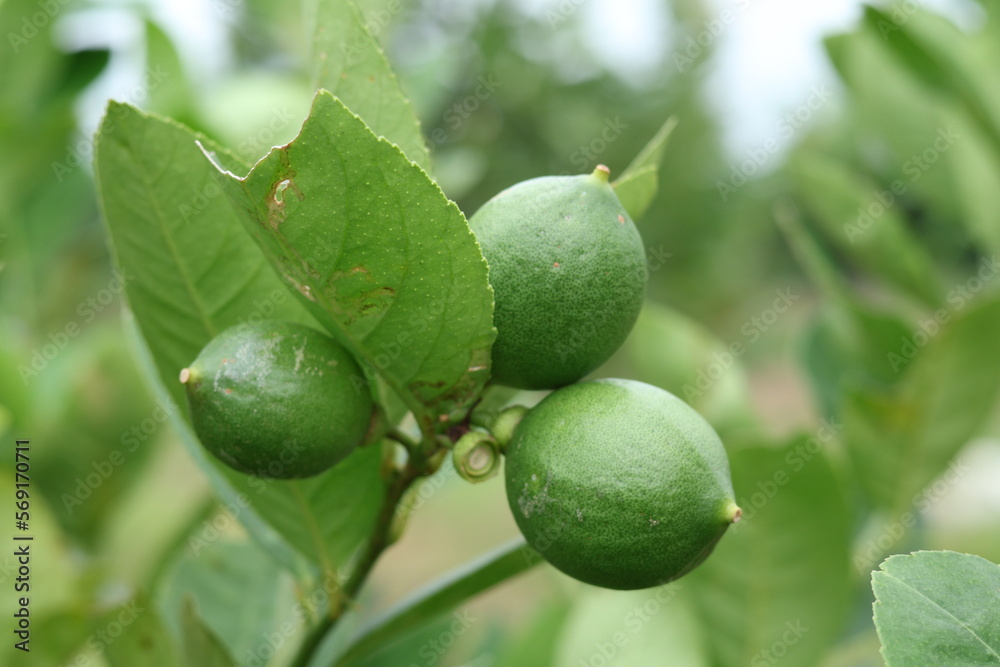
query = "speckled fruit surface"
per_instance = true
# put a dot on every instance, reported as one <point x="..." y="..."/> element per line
<point x="619" y="484"/>
<point x="275" y="399"/>
<point x="568" y="272"/>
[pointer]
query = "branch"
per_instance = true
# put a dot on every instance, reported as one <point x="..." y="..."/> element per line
<point x="378" y="542"/>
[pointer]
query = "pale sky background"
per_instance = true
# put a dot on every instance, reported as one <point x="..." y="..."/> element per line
<point x="767" y="58"/>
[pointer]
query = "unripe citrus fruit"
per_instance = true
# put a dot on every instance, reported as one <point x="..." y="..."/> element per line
<point x="275" y="399"/>
<point x="568" y="272"/>
<point x="619" y="484"/>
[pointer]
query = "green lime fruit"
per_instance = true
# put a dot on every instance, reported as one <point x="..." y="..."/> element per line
<point x="619" y="484"/>
<point x="277" y="399"/>
<point x="568" y="272"/>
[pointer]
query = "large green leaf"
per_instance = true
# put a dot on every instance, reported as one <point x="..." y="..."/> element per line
<point x="638" y="184"/>
<point x="902" y="437"/>
<point x="938" y="64"/>
<point x="929" y="147"/>
<point x="864" y="222"/>
<point x="938" y="608"/>
<point x="379" y="254"/>
<point x="348" y="61"/>
<point x="759" y="591"/>
<point x="191" y="271"/>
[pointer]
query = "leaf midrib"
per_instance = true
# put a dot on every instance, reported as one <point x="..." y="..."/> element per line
<point x="312" y="527"/>
<point x="949" y="614"/>
<point x="171" y="244"/>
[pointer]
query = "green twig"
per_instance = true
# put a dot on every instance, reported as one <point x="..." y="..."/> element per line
<point x="377" y="543"/>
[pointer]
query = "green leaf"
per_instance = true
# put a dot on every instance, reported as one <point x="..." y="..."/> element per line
<point x="440" y="597"/>
<point x="937" y="66"/>
<point x="82" y="68"/>
<point x="902" y="438"/>
<point x="633" y="629"/>
<point x="239" y="596"/>
<point x="896" y="111"/>
<point x="191" y="271"/>
<point x="975" y="172"/>
<point x="637" y="190"/>
<point x="938" y="608"/>
<point x="810" y="254"/>
<point x="348" y="61"/>
<point x="140" y="636"/>
<point x="201" y="646"/>
<point x="845" y="348"/>
<point x="381" y="257"/>
<point x="638" y="184"/>
<point x="172" y="95"/>
<point x="758" y="591"/>
<point x="862" y="220"/>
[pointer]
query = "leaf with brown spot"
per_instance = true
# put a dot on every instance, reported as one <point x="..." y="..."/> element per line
<point x="379" y="255"/>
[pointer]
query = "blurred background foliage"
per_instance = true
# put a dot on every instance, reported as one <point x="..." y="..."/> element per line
<point x="872" y="207"/>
